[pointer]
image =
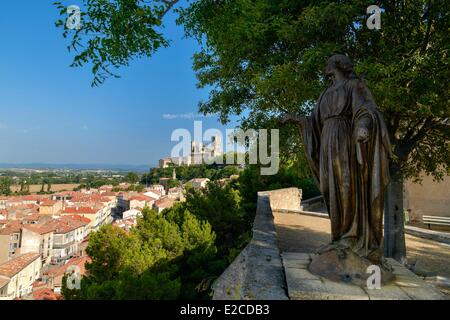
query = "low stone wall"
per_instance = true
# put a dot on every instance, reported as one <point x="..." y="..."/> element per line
<point x="313" y="204"/>
<point x="284" y="199"/>
<point x="257" y="272"/>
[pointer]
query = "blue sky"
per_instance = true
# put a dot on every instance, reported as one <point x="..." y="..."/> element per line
<point x="49" y="112"/>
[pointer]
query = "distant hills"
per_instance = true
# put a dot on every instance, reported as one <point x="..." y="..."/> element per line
<point x="74" y="166"/>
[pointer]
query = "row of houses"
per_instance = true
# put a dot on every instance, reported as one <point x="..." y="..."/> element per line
<point x="155" y="197"/>
<point x="24" y="278"/>
<point x="56" y="239"/>
<point x="40" y="236"/>
<point x="18" y="275"/>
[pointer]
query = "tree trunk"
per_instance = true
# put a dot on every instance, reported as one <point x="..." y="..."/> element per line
<point x="394" y="219"/>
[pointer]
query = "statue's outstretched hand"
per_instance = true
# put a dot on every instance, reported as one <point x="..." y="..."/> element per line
<point x="290" y="118"/>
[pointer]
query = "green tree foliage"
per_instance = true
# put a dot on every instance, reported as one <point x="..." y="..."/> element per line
<point x="24" y="188"/>
<point x="221" y="207"/>
<point x="270" y="62"/>
<point x="180" y="252"/>
<point x="46" y="186"/>
<point x="149" y="262"/>
<point x="264" y="57"/>
<point x="5" y="186"/>
<point x="251" y="181"/>
<point x="22" y="185"/>
<point x="133" y="187"/>
<point x="115" y="32"/>
<point x="132" y="177"/>
<point x="186" y="173"/>
<point x="68" y="294"/>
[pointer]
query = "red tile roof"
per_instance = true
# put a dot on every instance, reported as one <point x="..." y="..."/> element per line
<point x="40" y="228"/>
<point x="78" y="261"/>
<point x="164" y="202"/>
<point x="48" y="203"/>
<point x="14" y="266"/>
<point x="38" y="284"/>
<point x="80" y="218"/>
<point x="79" y="210"/>
<point x="141" y="197"/>
<point x="32" y="217"/>
<point x="4" y="282"/>
<point x="45" y="294"/>
<point x="11" y="227"/>
<point x="65" y="224"/>
<point x="109" y="194"/>
<point x="32" y="198"/>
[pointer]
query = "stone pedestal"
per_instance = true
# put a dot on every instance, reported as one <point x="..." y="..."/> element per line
<point x="303" y="285"/>
<point x="346" y="267"/>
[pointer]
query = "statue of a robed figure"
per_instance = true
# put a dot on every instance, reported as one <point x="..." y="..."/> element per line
<point x="348" y="148"/>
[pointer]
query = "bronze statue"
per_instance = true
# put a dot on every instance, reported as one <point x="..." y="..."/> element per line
<point x="348" y="149"/>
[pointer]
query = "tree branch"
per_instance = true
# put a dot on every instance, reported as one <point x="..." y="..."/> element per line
<point x="406" y="146"/>
<point x="170" y="4"/>
<point x="428" y="32"/>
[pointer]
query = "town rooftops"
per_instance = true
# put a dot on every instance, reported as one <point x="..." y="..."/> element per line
<point x="79" y="210"/>
<point x="79" y="218"/>
<point x="22" y="207"/>
<point x="93" y="197"/>
<point x="39" y="284"/>
<point x="65" y="224"/>
<point x="45" y="294"/>
<point x="48" y="203"/>
<point x="109" y="194"/>
<point x="35" y="198"/>
<point x="141" y="197"/>
<point x="199" y="180"/>
<point x="11" y="227"/>
<point x="3" y="282"/>
<point x="77" y="261"/>
<point x="12" y="267"/>
<point x="31" y="217"/>
<point x="155" y="187"/>
<point x="40" y="228"/>
<point x="164" y="202"/>
<point x="29" y="198"/>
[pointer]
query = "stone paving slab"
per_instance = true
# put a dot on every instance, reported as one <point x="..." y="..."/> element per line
<point x="303" y="285"/>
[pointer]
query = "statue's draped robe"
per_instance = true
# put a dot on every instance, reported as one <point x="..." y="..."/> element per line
<point x="351" y="175"/>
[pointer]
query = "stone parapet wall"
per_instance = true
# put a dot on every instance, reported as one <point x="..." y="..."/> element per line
<point x="287" y="199"/>
<point x="257" y="272"/>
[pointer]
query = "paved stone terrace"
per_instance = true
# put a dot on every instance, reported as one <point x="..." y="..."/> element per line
<point x="302" y="233"/>
<point x="273" y="265"/>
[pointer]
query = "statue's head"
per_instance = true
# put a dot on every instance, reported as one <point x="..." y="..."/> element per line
<point x="339" y="62"/>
